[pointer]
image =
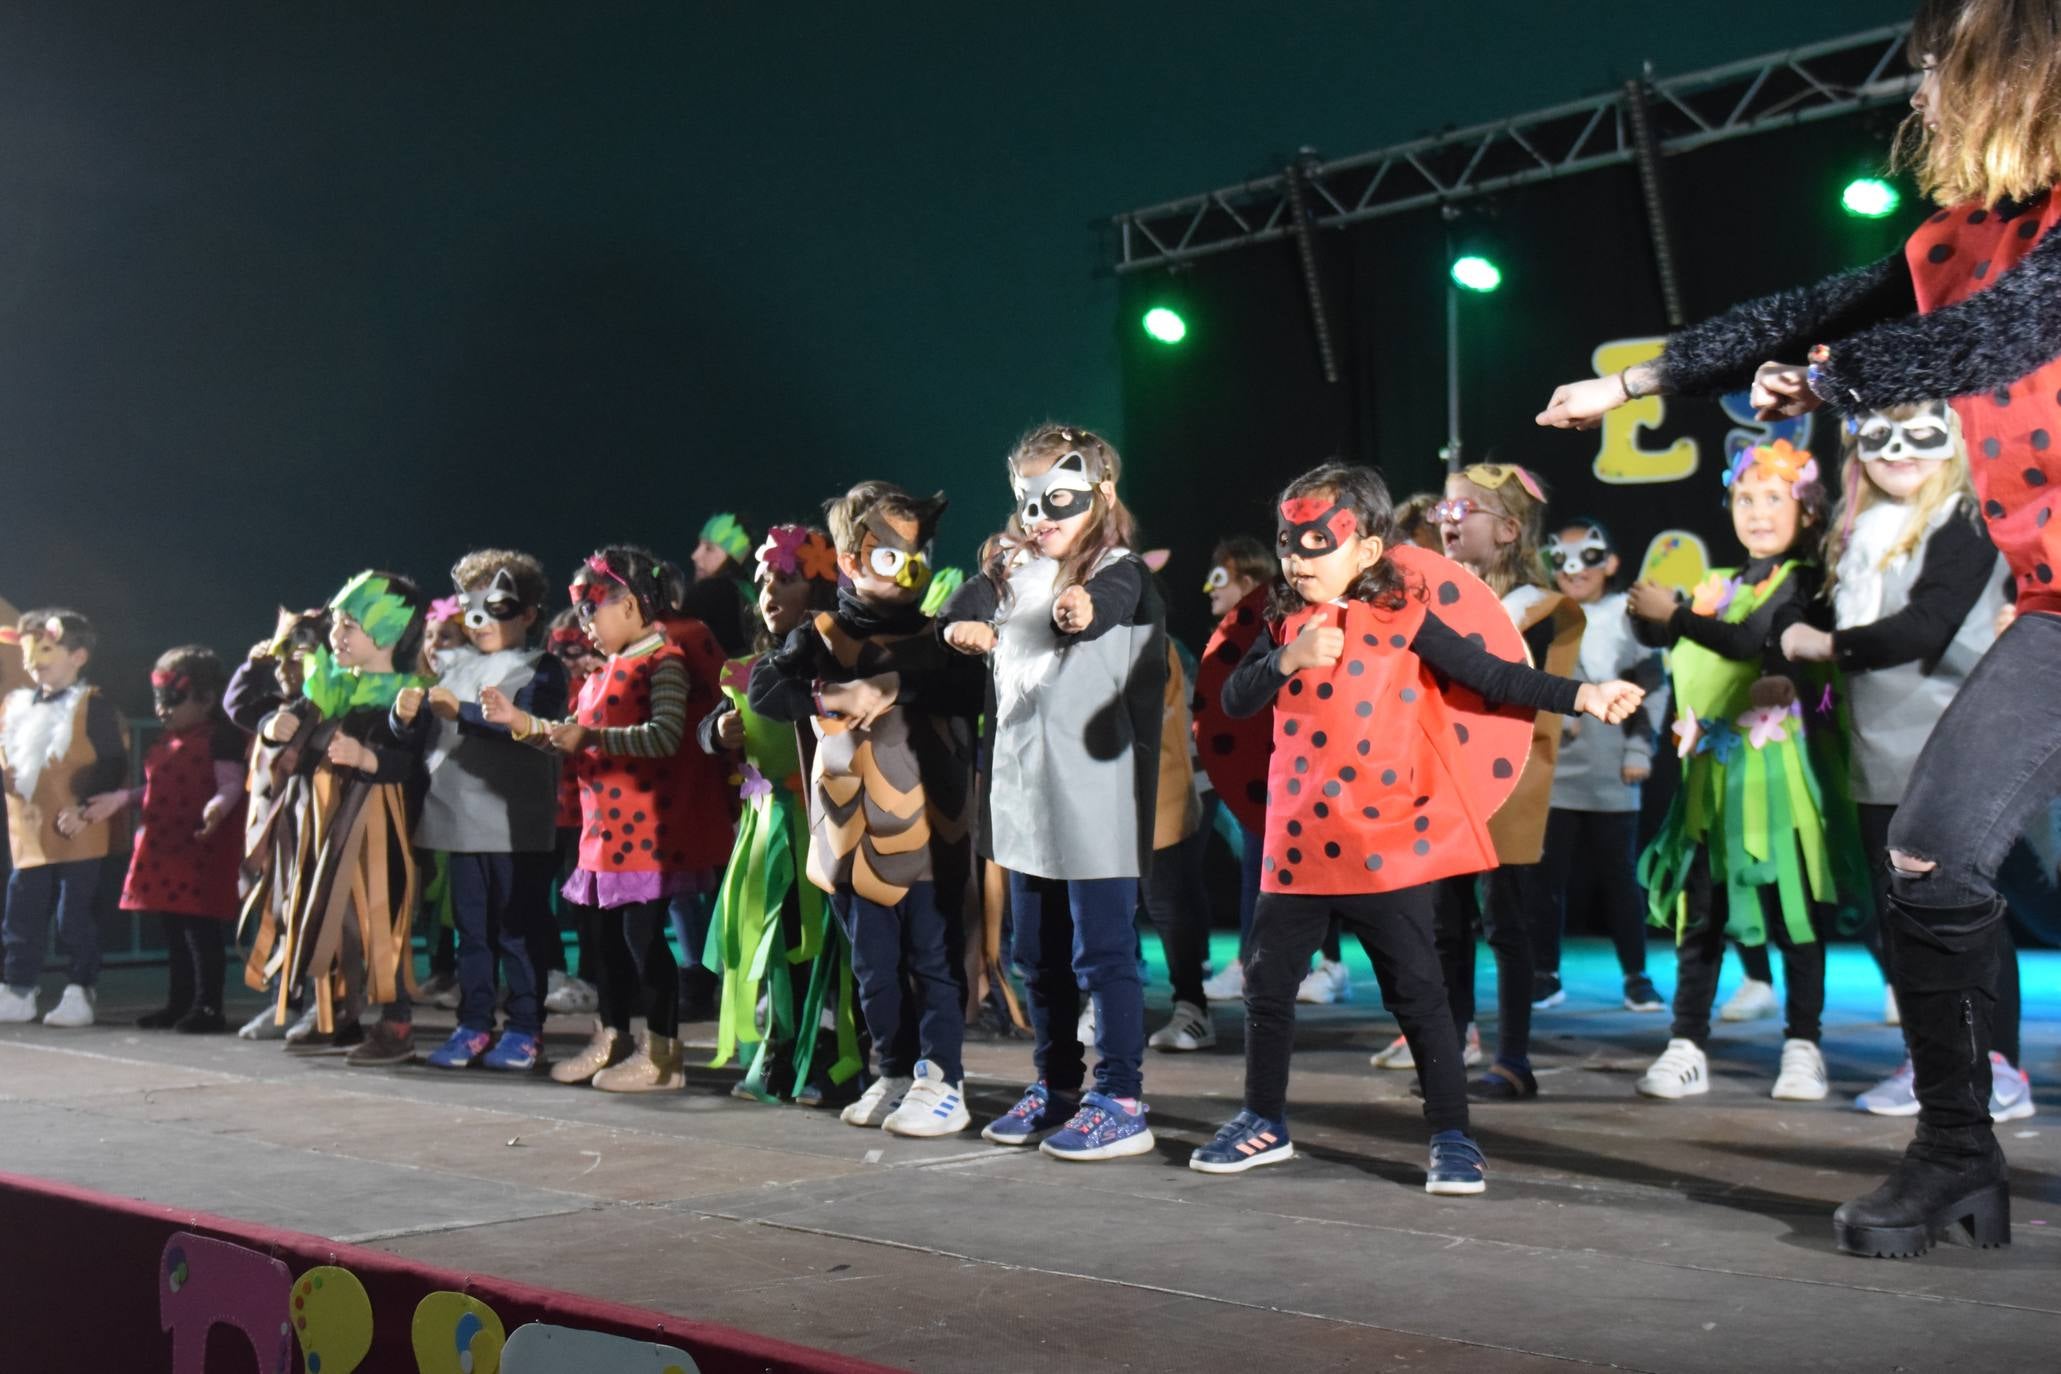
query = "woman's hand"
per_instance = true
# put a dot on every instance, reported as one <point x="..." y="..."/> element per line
<point x="1806" y="644"/>
<point x="1781" y="391"/>
<point x="971" y="637"/>
<point x="1318" y="646"/>
<point x="1653" y="601"/>
<point x="1583" y="404"/>
<point x="1073" y="611"/>
<point x="1610" y="702"/>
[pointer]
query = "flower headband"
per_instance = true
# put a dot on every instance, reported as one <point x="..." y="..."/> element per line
<point x="797" y="551"/>
<point x="445" y="608"/>
<point x="726" y="533"/>
<point x="1780" y="461"/>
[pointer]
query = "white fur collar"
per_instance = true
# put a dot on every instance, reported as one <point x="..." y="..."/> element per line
<point x="38" y="733"/>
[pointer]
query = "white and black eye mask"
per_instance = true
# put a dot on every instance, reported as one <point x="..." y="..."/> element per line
<point x="1218" y="579"/>
<point x="1927" y="436"/>
<point x="1592" y="550"/>
<point x="498" y="600"/>
<point x="1063" y="491"/>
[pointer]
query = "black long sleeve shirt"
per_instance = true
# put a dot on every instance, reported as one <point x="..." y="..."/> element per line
<point x="1958" y="562"/>
<point x="1257" y="679"/>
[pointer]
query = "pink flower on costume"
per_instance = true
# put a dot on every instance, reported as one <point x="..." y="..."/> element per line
<point x="1765" y="725"/>
<point x="1713" y="595"/>
<point x="1688" y="730"/>
<point x="445" y="608"/>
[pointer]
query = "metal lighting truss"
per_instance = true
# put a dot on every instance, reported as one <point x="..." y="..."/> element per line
<point x="1821" y="81"/>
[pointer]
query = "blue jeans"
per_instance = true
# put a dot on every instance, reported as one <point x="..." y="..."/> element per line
<point x="903" y="954"/>
<point x="33" y="896"/>
<point x="1075" y="937"/>
<point x="498" y="903"/>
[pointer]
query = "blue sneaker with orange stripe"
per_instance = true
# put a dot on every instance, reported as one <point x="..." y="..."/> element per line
<point x="1101" y="1128"/>
<point x="1246" y="1141"/>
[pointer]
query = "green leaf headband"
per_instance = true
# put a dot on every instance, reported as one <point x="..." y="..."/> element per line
<point x="370" y="600"/>
<point x="725" y="533"/>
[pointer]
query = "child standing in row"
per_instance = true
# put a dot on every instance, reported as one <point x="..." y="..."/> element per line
<point x="1593" y="830"/>
<point x="1381" y="785"/>
<point x="1077" y="639"/>
<point x="492" y="800"/>
<point x="889" y="753"/>
<point x="61" y="746"/>
<point x="189" y="839"/>
<point x="1743" y="848"/>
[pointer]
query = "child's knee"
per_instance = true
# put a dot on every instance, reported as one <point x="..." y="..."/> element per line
<point x="1909" y="865"/>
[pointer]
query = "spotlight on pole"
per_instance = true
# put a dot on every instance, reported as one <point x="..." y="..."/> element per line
<point x="1870" y="198"/>
<point x="1477" y="273"/>
<point x="1165" y="325"/>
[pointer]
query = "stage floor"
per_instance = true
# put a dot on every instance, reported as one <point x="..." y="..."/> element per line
<point x="1617" y="1232"/>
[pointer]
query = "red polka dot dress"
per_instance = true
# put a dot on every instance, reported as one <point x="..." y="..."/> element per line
<point x="1234" y="751"/>
<point x="172" y="871"/>
<point x="1383" y="776"/>
<point x="2012" y="432"/>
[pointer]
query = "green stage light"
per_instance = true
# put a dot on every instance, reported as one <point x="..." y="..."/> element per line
<point x="1870" y="198"/>
<point x="1477" y="274"/>
<point x="1165" y="325"/>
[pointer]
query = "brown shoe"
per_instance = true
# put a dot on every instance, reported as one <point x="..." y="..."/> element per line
<point x="388" y="1043"/>
<point x="655" y="1067"/>
<point x="604" y="1048"/>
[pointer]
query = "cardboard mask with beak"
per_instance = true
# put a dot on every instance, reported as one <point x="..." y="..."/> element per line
<point x="901" y="555"/>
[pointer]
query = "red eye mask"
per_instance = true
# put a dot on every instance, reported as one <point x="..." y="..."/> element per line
<point x="1312" y="526"/>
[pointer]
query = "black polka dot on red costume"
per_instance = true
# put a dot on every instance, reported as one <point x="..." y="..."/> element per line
<point x="1270" y="863"/>
<point x="1227" y="653"/>
<point x="1993" y="509"/>
<point x="2043" y="572"/>
<point x="1295" y="687"/>
<point x="1460" y="730"/>
<point x="1992" y="446"/>
<point x="1348" y="773"/>
<point x="1332" y="789"/>
<point x="614" y="700"/>
<point x="1295" y="827"/>
<point x="620" y="675"/>
<point x="1502" y="768"/>
<point x="1372" y="813"/>
<point x="1421" y="848"/>
<point x="2028" y="228"/>
<point x="1256" y="792"/>
<point x="1323" y="811"/>
<point x="2040" y="440"/>
<point x="1366" y="747"/>
<point x="2040" y="521"/>
<point x="1331" y="850"/>
<point x="1287" y="878"/>
<point x="1981" y="269"/>
<point x="1324" y="691"/>
<point x="1289" y="727"/>
<point x="1448" y="593"/>
<point x="1294" y="855"/>
<point x="1222" y="744"/>
<point x="1294" y="787"/>
<point x="1940" y="252"/>
<point x="1370" y="641"/>
<point x="1398" y="642"/>
<point x="1319" y="740"/>
<point x="1409" y="694"/>
<point x="1242" y="616"/>
<point x="2001" y="396"/>
<point x="1421" y="824"/>
<point x="1302" y="765"/>
<point x="1373" y="862"/>
<point x="1940" y="218"/>
<point x="1388" y="777"/>
<point x="1977" y="216"/>
<point x="2035" y="478"/>
<point x="1364" y="709"/>
<point x="1355" y="668"/>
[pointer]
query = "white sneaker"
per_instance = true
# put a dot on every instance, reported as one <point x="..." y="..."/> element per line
<point x="73" y="1010"/>
<point x="1890" y="1015"/>
<point x="1084" y="1028"/>
<point x="264" y="1026"/>
<point x="1753" y="1000"/>
<point x="2010" y="1093"/>
<point x="1187" y="1029"/>
<point x="1681" y="1071"/>
<point x="1227" y="986"/>
<point x="1896" y="1095"/>
<point x="1802" y="1077"/>
<point x="305" y="1025"/>
<point x="877" y="1103"/>
<point x="1326" y="983"/>
<point x="569" y="996"/>
<point x="930" y="1107"/>
<point x="1398" y="1056"/>
<point x="17" y="1006"/>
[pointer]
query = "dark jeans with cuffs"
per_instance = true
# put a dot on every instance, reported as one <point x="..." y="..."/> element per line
<point x="1591" y="856"/>
<point x="1397" y="931"/>
<point x="34" y="896"/>
<point x="498" y="902"/>
<point x="1074" y="937"/>
<point x="1514" y="891"/>
<point x="907" y="968"/>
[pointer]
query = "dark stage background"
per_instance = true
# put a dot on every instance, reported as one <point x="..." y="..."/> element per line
<point x="290" y="289"/>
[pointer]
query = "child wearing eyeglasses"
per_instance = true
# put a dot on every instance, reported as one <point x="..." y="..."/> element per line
<point x="1592" y="830"/>
<point x="491" y="809"/>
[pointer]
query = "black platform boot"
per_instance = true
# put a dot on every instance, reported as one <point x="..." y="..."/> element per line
<point x="1953" y="1182"/>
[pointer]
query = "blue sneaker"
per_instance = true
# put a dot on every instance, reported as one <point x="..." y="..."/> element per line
<point x="1037" y="1113"/>
<point x="515" y="1052"/>
<point x="1457" y="1168"/>
<point x="464" y="1046"/>
<point x="1246" y="1141"/>
<point x="1101" y="1129"/>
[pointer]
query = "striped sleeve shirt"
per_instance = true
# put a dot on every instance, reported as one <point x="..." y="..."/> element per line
<point x="658" y="737"/>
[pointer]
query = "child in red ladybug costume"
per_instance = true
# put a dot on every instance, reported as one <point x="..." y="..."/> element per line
<point x="1967" y="310"/>
<point x="1380" y="663"/>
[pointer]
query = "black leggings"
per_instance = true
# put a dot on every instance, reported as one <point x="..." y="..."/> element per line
<point x="638" y="969"/>
<point x="1177" y="901"/>
<point x="1875" y="836"/>
<point x="1701" y="954"/>
<point x="1591" y="856"/>
<point x="1514" y="892"/>
<point x="193" y="945"/>
<point x="1395" y="928"/>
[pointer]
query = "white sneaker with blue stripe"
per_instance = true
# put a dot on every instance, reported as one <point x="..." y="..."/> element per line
<point x="932" y="1105"/>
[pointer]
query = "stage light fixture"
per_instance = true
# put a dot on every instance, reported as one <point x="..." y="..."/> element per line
<point x="1165" y="325"/>
<point x="1477" y="273"/>
<point x="1870" y="198"/>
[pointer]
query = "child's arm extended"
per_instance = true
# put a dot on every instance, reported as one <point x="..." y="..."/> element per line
<point x="658" y="737"/>
<point x="1959" y="562"/>
<point x="1518" y="684"/>
<point x="1747" y="640"/>
<point x="1108" y="599"/>
<point x="533" y="709"/>
<point x="783" y="682"/>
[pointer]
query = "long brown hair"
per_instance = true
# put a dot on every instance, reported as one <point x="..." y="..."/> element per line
<point x="1997" y="100"/>
<point x="1109" y="522"/>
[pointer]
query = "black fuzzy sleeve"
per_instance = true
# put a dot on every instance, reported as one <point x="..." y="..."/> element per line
<point x="1722" y="353"/>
